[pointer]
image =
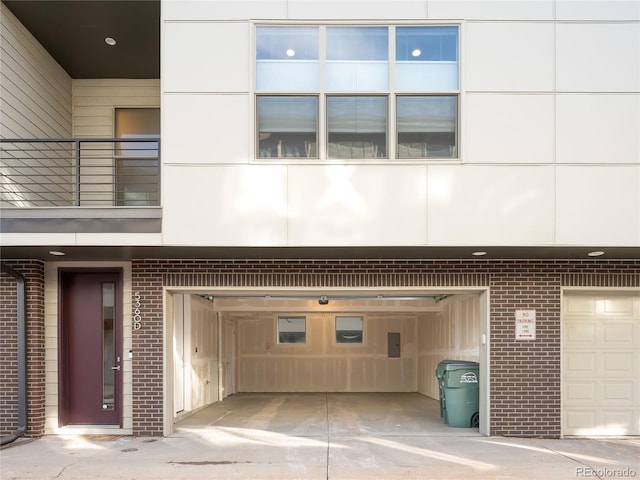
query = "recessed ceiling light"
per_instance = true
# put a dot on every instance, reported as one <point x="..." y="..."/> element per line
<point x="110" y="41"/>
<point x="57" y="253"/>
<point x="596" y="253"/>
<point x="290" y="52"/>
<point x="416" y="52"/>
<point x="479" y="254"/>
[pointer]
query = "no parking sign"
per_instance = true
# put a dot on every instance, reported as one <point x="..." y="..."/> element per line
<point x="525" y="324"/>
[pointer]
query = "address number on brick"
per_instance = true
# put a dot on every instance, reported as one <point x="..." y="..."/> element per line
<point x="137" y="318"/>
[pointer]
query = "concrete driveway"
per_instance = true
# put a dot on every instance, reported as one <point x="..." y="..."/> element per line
<point x="319" y="436"/>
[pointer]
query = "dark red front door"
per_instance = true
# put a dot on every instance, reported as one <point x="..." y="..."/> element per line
<point x="90" y="348"/>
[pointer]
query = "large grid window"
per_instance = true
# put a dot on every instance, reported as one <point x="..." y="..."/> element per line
<point x="357" y="92"/>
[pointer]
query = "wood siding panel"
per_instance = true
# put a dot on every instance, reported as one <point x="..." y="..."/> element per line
<point x="453" y="334"/>
<point x="36" y="91"/>
<point x="94" y="102"/>
<point x="320" y="364"/>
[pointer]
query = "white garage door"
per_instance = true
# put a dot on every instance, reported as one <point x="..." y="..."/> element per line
<point x="601" y="364"/>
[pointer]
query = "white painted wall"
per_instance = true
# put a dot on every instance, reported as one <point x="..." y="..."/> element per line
<point x="550" y="113"/>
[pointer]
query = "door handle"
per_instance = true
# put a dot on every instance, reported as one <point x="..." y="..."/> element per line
<point x="117" y="367"/>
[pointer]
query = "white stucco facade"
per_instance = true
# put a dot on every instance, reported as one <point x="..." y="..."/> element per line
<point x="548" y="121"/>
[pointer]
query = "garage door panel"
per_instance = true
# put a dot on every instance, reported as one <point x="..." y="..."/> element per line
<point x="580" y="393"/>
<point x="620" y="393"/>
<point x="617" y="334"/>
<point x="580" y="420"/>
<point x="618" y="422"/>
<point x="601" y="365"/>
<point x="609" y="422"/>
<point x="617" y="364"/>
<point x="579" y="364"/>
<point x="579" y="305"/>
<point x="596" y="392"/>
<point x="580" y="334"/>
<point x="616" y="306"/>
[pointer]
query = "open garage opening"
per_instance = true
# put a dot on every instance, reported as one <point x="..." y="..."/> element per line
<point x="361" y="342"/>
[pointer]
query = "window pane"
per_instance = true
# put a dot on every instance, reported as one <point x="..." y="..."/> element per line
<point x="426" y="58"/>
<point x="357" y="58"/>
<point x="348" y="329"/>
<point x="287" y="126"/>
<point x="137" y="166"/>
<point x="421" y="44"/>
<point x="292" y="330"/>
<point x="357" y="127"/>
<point x="137" y="182"/>
<point x="132" y="123"/>
<point x="108" y="346"/>
<point x="427" y="126"/>
<point x="287" y="58"/>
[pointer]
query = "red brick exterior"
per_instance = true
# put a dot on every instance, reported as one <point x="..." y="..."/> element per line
<point x="525" y="376"/>
<point x="33" y="272"/>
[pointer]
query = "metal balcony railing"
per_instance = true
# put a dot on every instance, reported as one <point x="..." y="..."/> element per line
<point x="66" y="172"/>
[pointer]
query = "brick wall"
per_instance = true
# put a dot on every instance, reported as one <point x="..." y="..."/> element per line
<point x="525" y="376"/>
<point x="33" y="272"/>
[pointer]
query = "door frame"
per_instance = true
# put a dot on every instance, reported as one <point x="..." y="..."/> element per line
<point x="229" y="358"/>
<point x="118" y="325"/>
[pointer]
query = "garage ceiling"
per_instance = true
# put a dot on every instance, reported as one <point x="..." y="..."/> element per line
<point x="74" y="32"/>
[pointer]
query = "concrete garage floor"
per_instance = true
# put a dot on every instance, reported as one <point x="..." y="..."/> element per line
<point x="319" y="437"/>
<point x="326" y="415"/>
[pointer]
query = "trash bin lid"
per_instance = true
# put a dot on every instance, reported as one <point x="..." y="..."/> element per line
<point x="445" y="365"/>
<point x="455" y="364"/>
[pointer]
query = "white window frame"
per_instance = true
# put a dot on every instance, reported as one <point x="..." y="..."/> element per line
<point x="322" y="156"/>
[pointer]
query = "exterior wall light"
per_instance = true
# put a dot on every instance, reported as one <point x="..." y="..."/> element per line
<point x="110" y="41"/>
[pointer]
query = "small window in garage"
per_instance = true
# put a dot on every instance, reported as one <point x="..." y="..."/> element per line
<point x="292" y="330"/>
<point x="348" y="329"/>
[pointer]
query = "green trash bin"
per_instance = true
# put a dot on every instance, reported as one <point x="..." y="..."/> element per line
<point x="460" y="393"/>
<point x="442" y="366"/>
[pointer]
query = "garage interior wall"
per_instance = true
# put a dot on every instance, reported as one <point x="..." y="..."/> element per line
<point x="195" y="353"/>
<point x="453" y="334"/>
<point x="322" y="365"/>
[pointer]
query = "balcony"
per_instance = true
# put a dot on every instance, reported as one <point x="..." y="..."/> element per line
<point x="80" y="172"/>
<point x="61" y="190"/>
<point x="112" y="180"/>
